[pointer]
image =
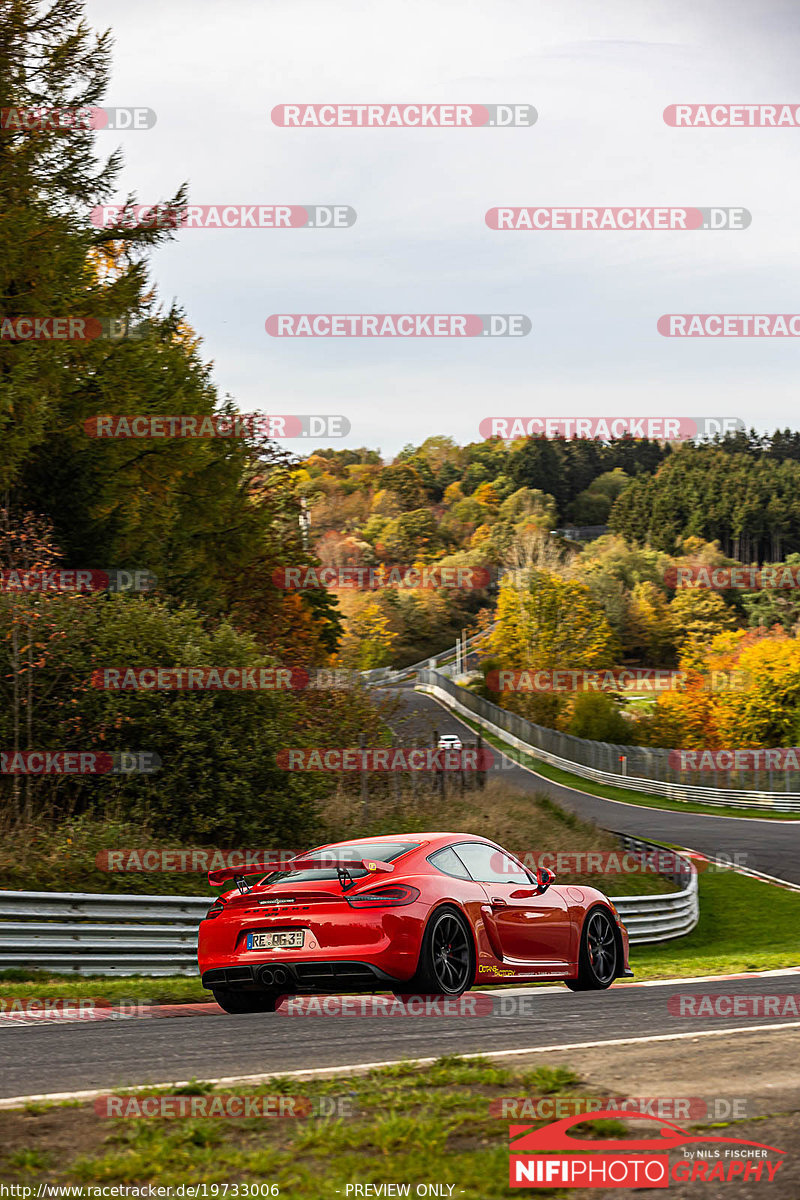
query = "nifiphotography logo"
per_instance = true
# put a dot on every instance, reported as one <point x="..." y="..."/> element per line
<point x="621" y="1163"/>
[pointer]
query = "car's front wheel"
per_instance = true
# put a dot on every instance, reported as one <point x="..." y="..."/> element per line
<point x="447" y="959"/>
<point x="245" y="1002"/>
<point x="597" y="962"/>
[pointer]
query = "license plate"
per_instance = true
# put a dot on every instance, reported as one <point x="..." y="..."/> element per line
<point x="274" y="941"/>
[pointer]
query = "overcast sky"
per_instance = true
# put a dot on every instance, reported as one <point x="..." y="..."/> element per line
<point x="599" y="77"/>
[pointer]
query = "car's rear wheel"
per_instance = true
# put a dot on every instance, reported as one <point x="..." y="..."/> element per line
<point x="447" y="959"/>
<point x="597" y="962"/>
<point x="245" y="1002"/>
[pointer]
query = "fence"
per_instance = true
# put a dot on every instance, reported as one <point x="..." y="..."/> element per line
<point x="646" y="768"/>
<point x="445" y="659"/>
<point x="81" y="934"/>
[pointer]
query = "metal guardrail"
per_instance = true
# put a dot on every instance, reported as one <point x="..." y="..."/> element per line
<point x="84" y="934"/>
<point x="659" y="918"/>
<point x="591" y="760"/>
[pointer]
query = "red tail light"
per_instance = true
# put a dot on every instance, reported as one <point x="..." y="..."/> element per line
<point x="392" y="896"/>
<point x="215" y="910"/>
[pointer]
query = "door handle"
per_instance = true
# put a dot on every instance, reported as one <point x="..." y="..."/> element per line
<point x="498" y="902"/>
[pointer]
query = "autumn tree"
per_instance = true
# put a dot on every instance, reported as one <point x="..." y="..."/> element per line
<point x="549" y="624"/>
<point x="369" y="639"/>
<point x="698" y="615"/>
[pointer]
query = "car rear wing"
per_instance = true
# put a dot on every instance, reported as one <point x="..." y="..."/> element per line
<point x="324" y="862"/>
<point x="304" y="862"/>
<point x="215" y="878"/>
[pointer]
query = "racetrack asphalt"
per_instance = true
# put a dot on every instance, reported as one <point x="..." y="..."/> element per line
<point x="206" y="1043"/>
<point x="771" y="847"/>
<point x="57" y="1058"/>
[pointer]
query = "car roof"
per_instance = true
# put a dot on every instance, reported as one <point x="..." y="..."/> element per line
<point x="444" y="838"/>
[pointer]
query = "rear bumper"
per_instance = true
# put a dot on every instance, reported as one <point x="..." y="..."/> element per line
<point x="383" y="943"/>
<point x="311" y="976"/>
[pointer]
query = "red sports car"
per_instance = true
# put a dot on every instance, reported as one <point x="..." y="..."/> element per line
<point x="430" y="913"/>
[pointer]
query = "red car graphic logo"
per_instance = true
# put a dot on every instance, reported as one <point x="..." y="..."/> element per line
<point x="552" y="1137"/>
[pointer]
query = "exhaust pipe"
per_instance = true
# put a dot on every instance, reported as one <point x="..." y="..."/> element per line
<point x="266" y="977"/>
<point x="280" y="976"/>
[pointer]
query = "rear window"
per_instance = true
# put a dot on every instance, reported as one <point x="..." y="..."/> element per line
<point x="379" y="851"/>
<point x="448" y="861"/>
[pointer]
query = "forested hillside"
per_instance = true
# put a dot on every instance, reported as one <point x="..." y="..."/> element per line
<point x="553" y="603"/>
<point x="216" y="520"/>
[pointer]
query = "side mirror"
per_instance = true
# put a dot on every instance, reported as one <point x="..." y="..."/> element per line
<point x="544" y="877"/>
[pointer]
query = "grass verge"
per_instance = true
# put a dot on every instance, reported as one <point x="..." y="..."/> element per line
<point x="745" y="925"/>
<point x="402" y="1124"/>
<point x="128" y="989"/>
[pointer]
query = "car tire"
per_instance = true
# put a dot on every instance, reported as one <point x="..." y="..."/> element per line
<point x="598" y="959"/>
<point x="447" y="958"/>
<point x="245" y="1002"/>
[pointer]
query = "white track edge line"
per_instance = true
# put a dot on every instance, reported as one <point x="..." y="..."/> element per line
<point x="351" y="1068"/>
<point x="8" y="1021"/>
